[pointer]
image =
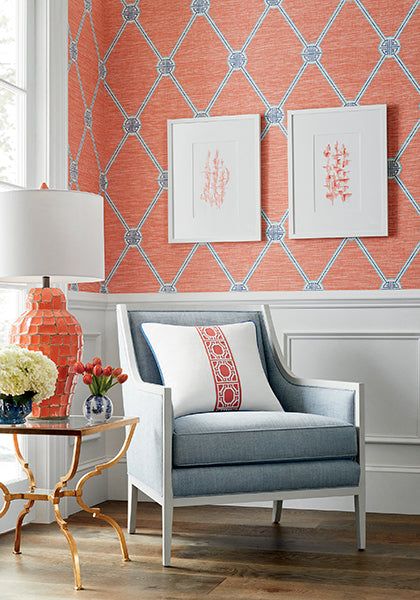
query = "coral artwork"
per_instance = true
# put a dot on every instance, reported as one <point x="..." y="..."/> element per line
<point x="337" y="173"/>
<point x="216" y="179"/>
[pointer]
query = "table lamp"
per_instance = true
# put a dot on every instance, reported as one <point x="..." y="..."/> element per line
<point x="49" y="235"/>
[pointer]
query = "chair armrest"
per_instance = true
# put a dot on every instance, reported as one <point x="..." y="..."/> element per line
<point x="149" y="457"/>
<point x="338" y="399"/>
<point x="152" y="440"/>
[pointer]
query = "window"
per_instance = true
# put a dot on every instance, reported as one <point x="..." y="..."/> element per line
<point x="33" y="149"/>
<point x="16" y="54"/>
<point x="15" y="94"/>
<point x="10" y="308"/>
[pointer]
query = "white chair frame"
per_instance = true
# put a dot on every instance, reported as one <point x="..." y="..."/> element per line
<point x="167" y="500"/>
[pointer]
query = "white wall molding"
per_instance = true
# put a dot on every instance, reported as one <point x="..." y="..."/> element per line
<point x="289" y="337"/>
<point x="393" y="469"/>
<point x="384" y="322"/>
<point x="93" y="340"/>
<point x="323" y="299"/>
<point x="86" y="439"/>
<point x="51" y="456"/>
<point x="87" y="301"/>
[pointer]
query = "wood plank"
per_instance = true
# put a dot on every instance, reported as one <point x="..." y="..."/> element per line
<point x="220" y="553"/>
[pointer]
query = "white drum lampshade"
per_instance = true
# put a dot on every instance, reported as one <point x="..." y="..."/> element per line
<point x="53" y="234"/>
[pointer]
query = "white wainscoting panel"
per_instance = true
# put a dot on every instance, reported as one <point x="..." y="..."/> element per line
<point x="8" y="521"/>
<point x="93" y="449"/>
<point x="52" y="455"/>
<point x="372" y="337"/>
<point x="388" y="364"/>
<point x="92" y="346"/>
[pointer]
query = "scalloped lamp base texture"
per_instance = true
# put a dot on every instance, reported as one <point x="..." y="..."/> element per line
<point x="46" y="325"/>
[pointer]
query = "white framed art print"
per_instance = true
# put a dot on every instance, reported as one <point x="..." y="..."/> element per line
<point x="338" y="184"/>
<point x="214" y="179"/>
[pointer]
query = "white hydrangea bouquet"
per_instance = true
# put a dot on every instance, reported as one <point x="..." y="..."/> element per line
<point x="26" y="376"/>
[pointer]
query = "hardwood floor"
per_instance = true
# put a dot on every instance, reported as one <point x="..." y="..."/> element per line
<point x="219" y="553"/>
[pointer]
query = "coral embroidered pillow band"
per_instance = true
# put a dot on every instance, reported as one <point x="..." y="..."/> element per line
<point x="211" y="368"/>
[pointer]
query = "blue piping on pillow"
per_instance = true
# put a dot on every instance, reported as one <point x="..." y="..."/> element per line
<point x="153" y="353"/>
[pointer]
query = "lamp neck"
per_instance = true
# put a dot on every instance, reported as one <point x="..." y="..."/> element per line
<point x="46" y="281"/>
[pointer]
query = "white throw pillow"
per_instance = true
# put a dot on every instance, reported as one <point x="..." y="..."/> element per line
<point x="211" y="368"/>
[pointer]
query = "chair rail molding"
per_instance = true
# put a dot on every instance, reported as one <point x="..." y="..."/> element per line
<point x="321" y="299"/>
<point x="372" y="337"/>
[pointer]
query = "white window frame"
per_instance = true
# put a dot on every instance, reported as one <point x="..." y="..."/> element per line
<point x="24" y="91"/>
<point x="48" y="455"/>
<point x="46" y="160"/>
<point x="45" y="80"/>
<point x="51" y="92"/>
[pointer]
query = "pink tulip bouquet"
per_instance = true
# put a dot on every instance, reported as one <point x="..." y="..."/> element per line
<point x="98" y="407"/>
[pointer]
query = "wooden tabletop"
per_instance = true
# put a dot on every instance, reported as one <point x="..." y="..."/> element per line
<point x="73" y="426"/>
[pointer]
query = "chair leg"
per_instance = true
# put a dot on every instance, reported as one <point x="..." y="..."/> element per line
<point x="277" y="508"/>
<point x="360" y="514"/>
<point x="167" y="518"/>
<point x="133" y="494"/>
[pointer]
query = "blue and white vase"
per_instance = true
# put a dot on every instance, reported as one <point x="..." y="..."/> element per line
<point x="97" y="409"/>
<point x="15" y="409"/>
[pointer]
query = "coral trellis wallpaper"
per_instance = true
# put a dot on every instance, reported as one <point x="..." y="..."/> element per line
<point x="134" y="65"/>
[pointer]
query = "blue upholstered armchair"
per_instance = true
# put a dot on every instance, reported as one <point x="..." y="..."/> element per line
<point x="315" y="448"/>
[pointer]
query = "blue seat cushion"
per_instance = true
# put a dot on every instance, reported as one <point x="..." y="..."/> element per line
<point x="268" y="477"/>
<point x="229" y="438"/>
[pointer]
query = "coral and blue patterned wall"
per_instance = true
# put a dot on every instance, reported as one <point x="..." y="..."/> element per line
<point x="134" y="65"/>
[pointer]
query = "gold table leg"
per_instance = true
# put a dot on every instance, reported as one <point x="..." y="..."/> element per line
<point x="30" y="503"/>
<point x="55" y="498"/>
<point x="96" y="512"/>
<point x="18" y="529"/>
<point x="73" y="547"/>
<point x="6" y="504"/>
<point x="58" y="493"/>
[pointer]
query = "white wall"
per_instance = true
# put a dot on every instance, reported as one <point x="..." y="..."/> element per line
<point x="373" y="337"/>
<point x="50" y="456"/>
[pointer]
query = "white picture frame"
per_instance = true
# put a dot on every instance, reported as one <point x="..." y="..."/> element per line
<point x="214" y="186"/>
<point x="338" y="181"/>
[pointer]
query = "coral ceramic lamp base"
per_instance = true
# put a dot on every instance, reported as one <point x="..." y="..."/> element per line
<point x="47" y="326"/>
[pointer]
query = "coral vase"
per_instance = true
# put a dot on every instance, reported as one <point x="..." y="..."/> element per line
<point x="46" y="325"/>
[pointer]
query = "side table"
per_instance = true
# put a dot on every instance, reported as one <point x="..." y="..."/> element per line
<point x="78" y="428"/>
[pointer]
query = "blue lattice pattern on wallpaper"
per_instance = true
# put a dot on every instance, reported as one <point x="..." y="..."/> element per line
<point x="275" y="232"/>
